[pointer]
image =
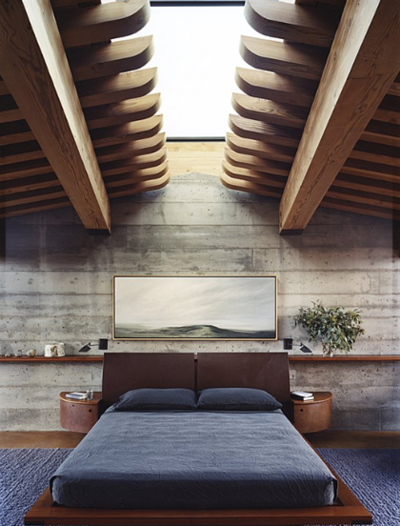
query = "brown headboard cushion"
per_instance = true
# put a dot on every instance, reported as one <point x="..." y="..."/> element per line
<point x="267" y="371"/>
<point x="123" y="372"/>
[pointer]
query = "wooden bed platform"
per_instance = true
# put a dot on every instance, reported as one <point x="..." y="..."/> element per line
<point x="268" y="371"/>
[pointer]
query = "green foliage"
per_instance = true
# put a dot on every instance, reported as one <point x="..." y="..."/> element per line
<point x="336" y="328"/>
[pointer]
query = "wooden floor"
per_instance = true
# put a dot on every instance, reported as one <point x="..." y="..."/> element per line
<point x="328" y="439"/>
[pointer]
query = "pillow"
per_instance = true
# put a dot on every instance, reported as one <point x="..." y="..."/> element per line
<point x="237" y="399"/>
<point x="156" y="399"/>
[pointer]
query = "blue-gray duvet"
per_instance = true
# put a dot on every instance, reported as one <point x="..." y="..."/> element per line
<point x="193" y="460"/>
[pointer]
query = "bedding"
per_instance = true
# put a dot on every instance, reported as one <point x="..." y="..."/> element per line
<point x="193" y="460"/>
<point x="237" y="399"/>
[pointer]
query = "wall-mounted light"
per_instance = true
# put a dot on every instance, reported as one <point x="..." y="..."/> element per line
<point x="288" y="345"/>
<point x="102" y="345"/>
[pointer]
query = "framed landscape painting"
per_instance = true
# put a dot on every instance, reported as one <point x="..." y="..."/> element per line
<point x="195" y="308"/>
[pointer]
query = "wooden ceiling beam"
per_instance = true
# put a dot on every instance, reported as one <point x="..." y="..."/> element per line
<point x="101" y="23"/>
<point x="35" y="69"/>
<point x="360" y="69"/>
<point x="281" y="57"/>
<point x="293" y="23"/>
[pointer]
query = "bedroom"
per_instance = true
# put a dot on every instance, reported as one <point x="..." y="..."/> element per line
<point x="56" y="285"/>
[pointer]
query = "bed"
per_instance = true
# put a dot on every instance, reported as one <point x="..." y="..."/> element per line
<point x="275" y="476"/>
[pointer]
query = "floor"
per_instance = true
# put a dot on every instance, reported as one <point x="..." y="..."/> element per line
<point x="326" y="439"/>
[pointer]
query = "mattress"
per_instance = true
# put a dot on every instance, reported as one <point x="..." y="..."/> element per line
<point x="193" y="460"/>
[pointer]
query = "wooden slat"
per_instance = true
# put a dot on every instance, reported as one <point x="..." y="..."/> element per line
<point x="21" y="152"/>
<point x="149" y="160"/>
<point x="252" y="162"/>
<point x="360" y="69"/>
<point x="18" y="170"/>
<point x="103" y="22"/>
<point x="34" y="196"/>
<point x="116" y="88"/>
<point x="139" y="147"/>
<point x="111" y="59"/>
<point x="293" y="23"/>
<point x="269" y="111"/>
<point x="270" y="133"/>
<point x="382" y="133"/>
<point x="359" y="208"/>
<point x="375" y="157"/>
<point x="284" y="58"/>
<point x="137" y="175"/>
<point x="132" y="131"/>
<point x="279" y="88"/>
<point x="248" y="186"/>
<point x="394" y="89"/>
<point x="371" y="170"/>
<point x="15" y="132"/>
<point x="379" y="187"/>
<point x="44" y="90"/>
<point x="136" y="188"/>
<point x="30" y="208"/>
<point x="245" y="174"/>
<point x="28" y="184"/>
<point x="10" y="115"/>
<point x="3" y="88"/>
<point x="121" y="112"/>
<point x="261" y="149"/>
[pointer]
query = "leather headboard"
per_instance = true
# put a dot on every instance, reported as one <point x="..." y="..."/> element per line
<point x="267" y="371"/>
<point x="123" y="372"/>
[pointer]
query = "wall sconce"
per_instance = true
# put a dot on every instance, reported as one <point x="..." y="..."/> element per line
<point x="288" y="345"/>
<point x="102" y="345"/>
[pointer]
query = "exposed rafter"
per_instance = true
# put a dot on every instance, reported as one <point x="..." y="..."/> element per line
<point x="34" y="66"/>
<point x="360" y="69"/>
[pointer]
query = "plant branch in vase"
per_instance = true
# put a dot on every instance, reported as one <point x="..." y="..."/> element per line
<point x="336" y="328"/>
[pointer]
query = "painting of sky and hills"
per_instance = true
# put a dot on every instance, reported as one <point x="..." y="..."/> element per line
<point x="194" y="308"/>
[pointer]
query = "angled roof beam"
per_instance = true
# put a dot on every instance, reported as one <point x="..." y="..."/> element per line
<point x="360" y="69"/>
<point x="35" y="68"/>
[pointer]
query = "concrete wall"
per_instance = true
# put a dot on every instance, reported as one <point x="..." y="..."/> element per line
<point x="55" y="283"/>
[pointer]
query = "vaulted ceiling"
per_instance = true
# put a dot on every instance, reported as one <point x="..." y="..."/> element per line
<point x="317" y="120"/>
<point x="316" y="117"/>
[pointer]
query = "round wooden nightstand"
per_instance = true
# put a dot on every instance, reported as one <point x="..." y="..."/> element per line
<point x="79" y="415"/>
<point x="313" y="415"/>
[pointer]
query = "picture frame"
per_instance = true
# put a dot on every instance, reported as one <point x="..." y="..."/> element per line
<point x="195" y="308"/>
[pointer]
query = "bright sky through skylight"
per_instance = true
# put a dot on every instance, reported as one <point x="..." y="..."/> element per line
<point x="196" y="54"/>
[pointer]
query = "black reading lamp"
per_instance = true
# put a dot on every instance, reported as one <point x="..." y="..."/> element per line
<point x="288" y="345"/>
<point x="102" y="345"/>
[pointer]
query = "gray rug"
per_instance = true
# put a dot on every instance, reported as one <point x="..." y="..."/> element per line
<point x="372" y="474"/>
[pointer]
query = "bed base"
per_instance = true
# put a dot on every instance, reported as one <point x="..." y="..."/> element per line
<point x="269" y="371"/>
<point x="347" y="510"/>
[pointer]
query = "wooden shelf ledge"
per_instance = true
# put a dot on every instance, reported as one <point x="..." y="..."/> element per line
<point x="292" y="358"/>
